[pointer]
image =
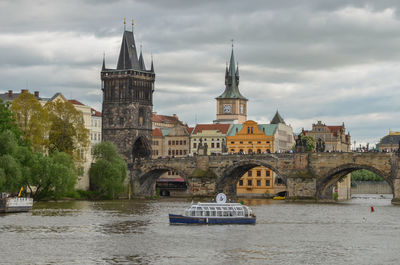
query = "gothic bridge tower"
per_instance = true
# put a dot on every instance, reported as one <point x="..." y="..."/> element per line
<point x="128" y="102"/>
<point x="231" y="104"/>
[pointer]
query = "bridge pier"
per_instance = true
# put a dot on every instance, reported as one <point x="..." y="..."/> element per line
<point x="396" y="191"/>
<point x="301" y="188"/>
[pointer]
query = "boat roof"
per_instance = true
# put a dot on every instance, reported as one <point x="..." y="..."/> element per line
<point x="218" y="204"/>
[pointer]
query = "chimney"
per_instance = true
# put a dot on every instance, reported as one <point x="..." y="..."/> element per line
<point x="24" y="91"/>
<point x="10" y="93"/>
<point x="36" y="93"/>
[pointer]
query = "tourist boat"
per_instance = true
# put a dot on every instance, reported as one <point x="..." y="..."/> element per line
<point x="13" y="204"/>
<point x="215" y="213"/>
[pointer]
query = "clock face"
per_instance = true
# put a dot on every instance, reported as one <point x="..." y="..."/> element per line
<point x="227" y="108"/>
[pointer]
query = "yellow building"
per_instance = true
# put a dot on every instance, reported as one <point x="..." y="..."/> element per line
<point x="252" y="138"/>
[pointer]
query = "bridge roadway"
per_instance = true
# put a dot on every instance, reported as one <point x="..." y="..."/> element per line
<point x="308" y="176"/>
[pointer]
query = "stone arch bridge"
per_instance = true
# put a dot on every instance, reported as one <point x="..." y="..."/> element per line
<point x="308" y="176"/>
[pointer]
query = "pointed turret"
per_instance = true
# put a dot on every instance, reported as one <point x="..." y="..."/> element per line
<point x="128" y="56"/>
<point x="232" y="80"/>
<point x="104" y="63"/>
<point x="277" y="119"/>
<point x="141" y="61"/>
<point x="152" y="66"/>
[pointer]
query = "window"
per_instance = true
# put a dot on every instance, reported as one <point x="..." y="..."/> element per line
<point x="241" y="142"/>
<point x="169" y="142"/>
<point x="241" y="182"/>
<point x="249" y="173"/>
<point x="250" y="142"/>
<point x="217" y="145"/>
<point x="173" y="142"/>
<point x="184" y="152"/>
<point x="169" y="152"/>
<point x="267" y="173"/>
<point x="194" y="145"/>
<point x="184" y="142"/>
<point x="181" y="142"/>
<point x="258" y="182"/>
<point x="212" y="145"/>
<point x="258" y="151"/>
<point x="267" y="183"/>
<point x="121" y="121"/>
<point x="232" y="142"/>
<point x="249" y="182"/>
<point x="258" y="173"/>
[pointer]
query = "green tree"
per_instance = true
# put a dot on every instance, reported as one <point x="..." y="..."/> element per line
<point x="51" y="176"/>
<point x="10" y="169"/>
<point x="310" y="146"/>
<point x="32" y="120"/>
<point x="67" y="129"/>
<point x="109" y="170"/>
<point x="365" y="175"/>
<point x="7" y="120"/>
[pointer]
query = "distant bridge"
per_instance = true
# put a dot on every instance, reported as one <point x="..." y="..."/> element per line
<point x="308" y="176"/>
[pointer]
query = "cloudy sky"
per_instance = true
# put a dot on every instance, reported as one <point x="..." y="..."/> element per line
<point x="335" y="61"/>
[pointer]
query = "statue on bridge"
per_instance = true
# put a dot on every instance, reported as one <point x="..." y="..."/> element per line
<point x="320" y="146"/>
<point x="301" y="144"/>
<point x="202" y="149"/>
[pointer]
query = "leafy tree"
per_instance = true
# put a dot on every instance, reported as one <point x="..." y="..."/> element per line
<point x="51" y="176"/>
<point x="310" y="146"/>
<point x="365" y="175"/>
<point x="67" y="130"/>
<point x="7" y="120"/>
<point x="10" y="169"/>
<point x="32" y="120"/>
<point x="109" y="170"/>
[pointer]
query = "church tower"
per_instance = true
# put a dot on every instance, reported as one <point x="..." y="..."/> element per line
<point x="231" y="105"/>
<point x="128" y="101"/>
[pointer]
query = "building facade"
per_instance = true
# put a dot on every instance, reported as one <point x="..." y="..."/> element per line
<point x="252" y="138"/>
<point x="128" y="102"/>
<point x="334" y="136"/>
<point x="231" y="104"/>
<point x="212" y="135"/>
<point x="95" y="131"/>
<point x="283" y="137"/>
<point x="336" y="140"/>
<point x="390" y="142"/>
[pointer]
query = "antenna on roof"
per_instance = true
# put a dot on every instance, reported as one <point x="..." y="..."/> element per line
<point x="124" y="23"/>
<point x="133" y="23"/>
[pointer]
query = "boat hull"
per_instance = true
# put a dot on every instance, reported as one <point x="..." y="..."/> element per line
<point x="180" y="219"/>
<point x="15" y="204"/>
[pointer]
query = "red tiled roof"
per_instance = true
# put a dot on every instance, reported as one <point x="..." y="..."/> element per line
<point x="76" y="102"/>
<point x="190" y="129"/>
<point x="157" y="132"/>
<point x="95" y="112"/>
<point x="166" y="119"/>
<point x="335" y="129"/>
<point x="222" y="128"/>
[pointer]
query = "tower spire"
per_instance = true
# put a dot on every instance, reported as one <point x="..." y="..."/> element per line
<point x="104" y="62"/>
<point x="152" y="66"/>
<point x="124" y="23"/>
<point x="141" y="61"/>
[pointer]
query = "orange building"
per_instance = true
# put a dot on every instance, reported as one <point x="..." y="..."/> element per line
<point x="252" y="138"/>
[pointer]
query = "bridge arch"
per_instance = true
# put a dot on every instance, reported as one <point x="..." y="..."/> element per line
<point x="231" y="175"/>
<point x="148" y="178"/>
<point x="333" y="176"/>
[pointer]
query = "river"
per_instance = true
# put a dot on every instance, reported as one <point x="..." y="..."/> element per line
<point x="138" y="232"/>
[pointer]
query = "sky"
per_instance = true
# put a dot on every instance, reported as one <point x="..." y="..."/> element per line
<point x="332" y="61"/>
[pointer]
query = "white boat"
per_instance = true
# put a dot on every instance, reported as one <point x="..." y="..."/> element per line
<point x="11" y="204"/>
<point x="215" y="213"/>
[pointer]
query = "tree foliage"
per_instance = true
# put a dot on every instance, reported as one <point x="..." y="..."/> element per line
<point x="42" y="176"/>
<point x="108" y="172"/>
<point x="67" y="129"/>
<point x="310" y="146"/>
<point x="365" y="175"/>
<point x="7" y="120"/>
<point x="32" y="120"/>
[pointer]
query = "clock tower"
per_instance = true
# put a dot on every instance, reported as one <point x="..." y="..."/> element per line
<point x="231" y="105"/>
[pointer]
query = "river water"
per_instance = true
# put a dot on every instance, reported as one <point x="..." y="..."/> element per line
<point x="138" y="232"/>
